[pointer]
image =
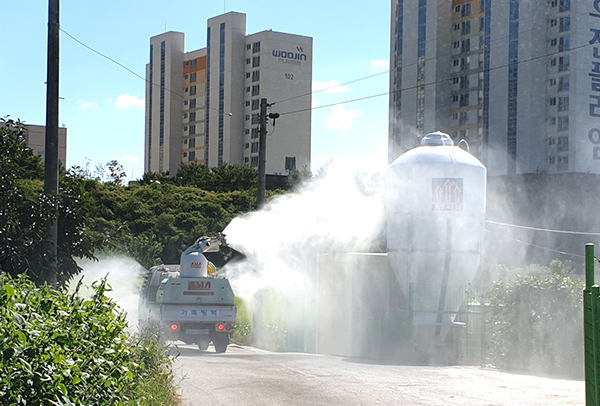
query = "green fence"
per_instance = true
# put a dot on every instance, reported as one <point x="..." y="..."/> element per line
<point x="591" y="330"/>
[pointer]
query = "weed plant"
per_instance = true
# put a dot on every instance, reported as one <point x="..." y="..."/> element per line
<point x="61" y="349"/>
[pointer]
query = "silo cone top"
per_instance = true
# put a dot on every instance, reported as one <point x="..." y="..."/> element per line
<point x="437" y="138"/>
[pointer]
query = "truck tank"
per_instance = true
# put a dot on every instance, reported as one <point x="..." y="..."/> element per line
<point x="189" y="302"/>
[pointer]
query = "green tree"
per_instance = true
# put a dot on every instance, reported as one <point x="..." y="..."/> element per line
<point x="26" y="213"/>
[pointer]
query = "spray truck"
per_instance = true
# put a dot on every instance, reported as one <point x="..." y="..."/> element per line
<point x="189" y="302"/>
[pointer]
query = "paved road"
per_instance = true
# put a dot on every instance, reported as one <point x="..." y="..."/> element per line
<point x="249" y="376"/>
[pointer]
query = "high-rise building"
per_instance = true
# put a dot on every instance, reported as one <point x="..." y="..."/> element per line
<point x="518" y="80"/>
<point x="203" y="106"/>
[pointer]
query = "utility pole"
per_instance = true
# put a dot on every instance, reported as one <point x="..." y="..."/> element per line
<point x="51" y="147"/>
<point x="262" y="149"/>
<point x="262" y="153"/>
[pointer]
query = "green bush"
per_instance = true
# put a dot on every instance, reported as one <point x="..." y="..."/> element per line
<point x="535" y="323"/>
<point x="60" y="349"/>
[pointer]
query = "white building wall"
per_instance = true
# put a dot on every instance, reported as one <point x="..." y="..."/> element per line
<point x="285" y="78"/>
<point x="166" y="156"/>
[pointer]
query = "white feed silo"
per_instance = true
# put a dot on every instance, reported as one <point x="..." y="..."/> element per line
<point x="435" y="201"/>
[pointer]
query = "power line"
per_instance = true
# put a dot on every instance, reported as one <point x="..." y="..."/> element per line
<point x="434" y="82"/>
<point x="332" y="87"/>
<point x="126" y="68"/>
<point x="543" y="229"/>
<point x="539" y="246"/>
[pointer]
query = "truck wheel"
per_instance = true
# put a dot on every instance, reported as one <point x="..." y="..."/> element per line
<point x="221" y="342"/>
<point x="203" y="344"/>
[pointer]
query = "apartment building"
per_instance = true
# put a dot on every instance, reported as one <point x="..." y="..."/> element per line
<point x="203" y="106"/>
<point x="518" y="80"/>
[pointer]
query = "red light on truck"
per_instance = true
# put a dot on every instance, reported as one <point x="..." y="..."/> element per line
<point x="174" y="327"/>
<point x="221" y="327"/>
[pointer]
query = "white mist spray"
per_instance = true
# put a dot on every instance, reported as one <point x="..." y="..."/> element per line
<point x="122" y="274"/>
<point x="334" y="213"/>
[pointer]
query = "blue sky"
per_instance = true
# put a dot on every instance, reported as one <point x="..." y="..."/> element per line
<point x="102" y="104"/>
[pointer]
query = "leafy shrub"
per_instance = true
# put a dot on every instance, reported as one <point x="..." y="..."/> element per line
<point x="59" y="348"/>
<point x="535" y="322"/>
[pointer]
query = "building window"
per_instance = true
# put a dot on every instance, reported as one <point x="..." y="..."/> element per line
<point x="551" y="140"/>
<point x="563" y="143"/>
<point x="464" y="82"/>
<point x="256" y="76"/>
<point x="456" y="44"/>
<point x="552" y="22"/>
<point x="552" y="62"/>
<point x="563" y="123"/>
<point x="456" y="9"/>
<point x="456" y="27"/>
<point x="247" y="75"/>
<point x="248" y="61"/>
<point x="193" y="116"/>
<point x="564" y="24"/>
<point x="465" y="28"/>
<point x="455" y="81"/>
<point x="255" y="90"/>
<point x="563" y="103"/>
<point x="564" y="5"/>
<point x="254" y="132"/>
<point x="247" y="103"/>
<point x="192" y="156"/>
<point x="552" y="121"/>
<point x="254" y="147"/>
<point x="193" y="77"/>
<point x="563" y="163"/>
<point x="255" y="118"/>
<point x="553" y="42"/>
<point x="465" y="46"/>
<point x="455" y="62"/>
<point x="454" y="98"/>
<point x="552" y="101"/>
<point x="192" y="143"/>
<point x="192" y="103"/>
<point x="552" y="81"/>
<point x="466" y="10"/>
<point x="563" y="84"/>
<point x="256" y="47"/>
<point x="290" y="163"/>
<point x="564" y="44"/>
<point x="563" y="63"/>
<point x="254" y="161"/>
<point x="248" y="47"/>
<point x="194" y="64"/>
<point x="193" y="90"/>
<point x="255" y="61"/>
<point x="464" y="100"/>
<point x="255" y="104"/>
<point x="464" y="118"/>
<point x="192" y="129"/>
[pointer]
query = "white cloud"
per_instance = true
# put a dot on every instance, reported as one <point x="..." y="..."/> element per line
<point x="86" y="105"/>
<point x="341" y="119"/>
<point x="126" y="100"/>
<point x="379" y="64"/>
<point x="332" y="86"/>
<point x="129" y="158"/>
